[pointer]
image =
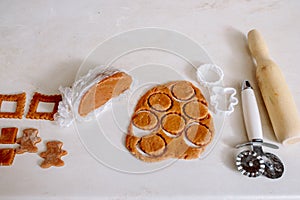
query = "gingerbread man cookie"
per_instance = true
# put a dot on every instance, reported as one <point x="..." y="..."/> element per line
<point x="53" y="155"/>
<point x="28" y="141"/>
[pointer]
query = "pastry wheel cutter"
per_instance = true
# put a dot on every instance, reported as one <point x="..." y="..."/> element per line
<point x="256" y="162"/>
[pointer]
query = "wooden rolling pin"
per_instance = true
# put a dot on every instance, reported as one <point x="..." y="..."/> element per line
<point x="278" y="99"/>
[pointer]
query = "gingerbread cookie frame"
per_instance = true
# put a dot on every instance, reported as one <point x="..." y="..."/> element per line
<point x="20" y="99"/>
<point x="36" y="99"/>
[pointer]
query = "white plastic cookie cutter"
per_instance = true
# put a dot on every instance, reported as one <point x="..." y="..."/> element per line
<point x="211" y="77"/>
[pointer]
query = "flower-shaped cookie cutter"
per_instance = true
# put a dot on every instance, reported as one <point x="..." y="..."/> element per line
<point x="211" y="77"/>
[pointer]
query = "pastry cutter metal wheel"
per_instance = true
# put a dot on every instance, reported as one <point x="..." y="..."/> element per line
<point x="256" y="162"/>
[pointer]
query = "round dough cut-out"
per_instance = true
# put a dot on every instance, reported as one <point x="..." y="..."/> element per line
<point x="160" y="101"/>
<point x="145" y="120"/>
<point x="152" y="145"/>
<point x="195" y="110"/>
<point x="183" y="91"/>
<point x="198" y="134"/>
<point x="173" y="123"/>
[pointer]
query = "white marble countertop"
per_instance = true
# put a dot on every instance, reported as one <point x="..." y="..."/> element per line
<point x="43" y="43"/>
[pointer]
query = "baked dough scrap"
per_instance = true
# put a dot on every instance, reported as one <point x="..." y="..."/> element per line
<point x="28" y="141"/>
<point x="184" y="128"/>
<point x="103" y="91"/>
<point x="36" y="99"/>
<point x="8" y="135"/>
<point x="52" y="156"/>
<point x="7" y="156"/>
<point x="20" y="99"/>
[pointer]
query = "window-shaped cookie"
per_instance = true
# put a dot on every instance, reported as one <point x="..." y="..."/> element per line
<point x="38" y="98"/>
<point x="18" y="99"/>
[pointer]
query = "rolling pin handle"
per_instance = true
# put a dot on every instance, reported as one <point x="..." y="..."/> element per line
<point x="258" y="46"/>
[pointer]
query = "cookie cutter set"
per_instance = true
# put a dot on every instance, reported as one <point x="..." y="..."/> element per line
<point x="211" y="76"/>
